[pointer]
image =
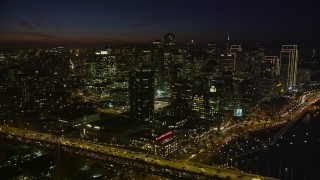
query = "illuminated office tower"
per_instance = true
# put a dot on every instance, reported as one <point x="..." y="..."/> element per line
<point x="288" y="66"/>
<point x="141" y="88"/>
<point x="168" y="55"/>
<point x="199" y="105"/>
<point x="214" y="99"/>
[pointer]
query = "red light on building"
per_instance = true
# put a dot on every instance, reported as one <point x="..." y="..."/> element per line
<point x="163" y="136"/>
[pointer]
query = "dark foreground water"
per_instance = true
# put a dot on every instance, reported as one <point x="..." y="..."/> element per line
<point x="296" y="156"/>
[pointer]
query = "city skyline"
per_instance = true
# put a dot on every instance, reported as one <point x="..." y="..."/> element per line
<point x="78" y="23"/>
<point x="142" y="89"/>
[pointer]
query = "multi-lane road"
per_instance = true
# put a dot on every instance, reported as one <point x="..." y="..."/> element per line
<point x="176" y="165"/>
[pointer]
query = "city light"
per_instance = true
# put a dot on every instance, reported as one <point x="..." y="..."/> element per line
<point x="106" y="92"/>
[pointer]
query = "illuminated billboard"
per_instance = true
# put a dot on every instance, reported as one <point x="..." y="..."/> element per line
<point x="163" y="136"/>
<point x="237" y="112"/>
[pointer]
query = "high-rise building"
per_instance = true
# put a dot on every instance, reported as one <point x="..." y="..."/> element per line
<point x="247" y="91"/>
<point x="141" y="88"/>
<point x="236" y="51"/>
<point x="212" y="49"/>
<point x="253" y="56"/>
<point x="227" y="63"/>
<point x="288" y="66"/>
<point x="158" y="63"/>
<point x="168" y="55"/>
<point x="27" y="87"/>
<point x="275" y="60"/>
<point x="200" y="96"/>
<point x="267" y="81"/>
<point x="145" y="57"/>
<point x="169" y="41"/>
<point x="214" y="99"/>
<point x="57" y="62"/>
<point x="199" y="105"/>
<point x="182" y="90"/>
<point x="227" y="45"/>
<point x="191" y="46"/>
<point x="157" y="44"/>
<point x="103" y="65"/>
<point x="176" y="77"/>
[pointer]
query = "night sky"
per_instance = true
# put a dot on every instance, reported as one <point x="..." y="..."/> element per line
<point x="63" y="22"/>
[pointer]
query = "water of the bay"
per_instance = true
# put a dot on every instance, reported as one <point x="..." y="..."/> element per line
<point x="294" y="157"/>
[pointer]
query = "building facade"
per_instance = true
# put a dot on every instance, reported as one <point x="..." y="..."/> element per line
<point x="141" y="89"/>
<point x="288" y="63"/>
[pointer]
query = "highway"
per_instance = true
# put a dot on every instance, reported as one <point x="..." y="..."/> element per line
<point x="214" y="147"/>
<point x="289" y="119"/>
<point x="181" y="166"/>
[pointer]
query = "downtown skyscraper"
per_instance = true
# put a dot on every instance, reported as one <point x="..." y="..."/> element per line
<point x="288" y="66"/>
<point x="141" y="89"/>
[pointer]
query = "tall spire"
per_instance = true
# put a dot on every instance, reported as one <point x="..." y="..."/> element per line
<point x="227" y="44"/>
<point x="228" y="36"/>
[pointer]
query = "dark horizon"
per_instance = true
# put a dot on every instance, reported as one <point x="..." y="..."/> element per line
<point x="179" y="45"/>
<point x="81" y="23"/>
